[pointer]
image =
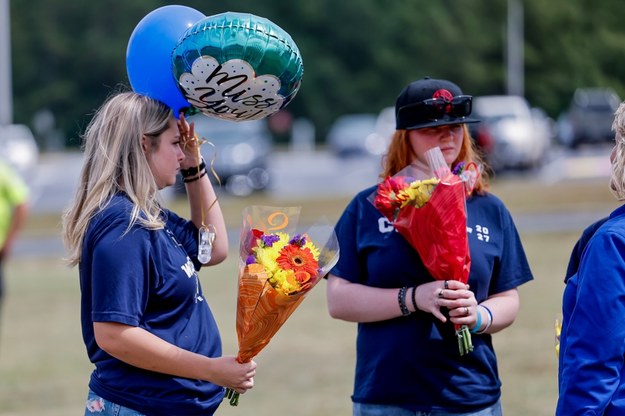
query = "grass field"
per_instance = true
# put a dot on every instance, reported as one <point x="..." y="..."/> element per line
<point x="307" y="368"/>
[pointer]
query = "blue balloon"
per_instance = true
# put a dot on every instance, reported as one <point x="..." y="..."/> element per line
<point x="149" y="54"/>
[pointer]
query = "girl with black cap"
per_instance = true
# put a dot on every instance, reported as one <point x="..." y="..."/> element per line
<point x="407" y="360"/>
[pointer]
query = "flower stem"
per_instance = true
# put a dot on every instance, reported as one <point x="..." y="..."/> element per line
<point x="233" y="396"/>
<point x="465" y="345"/>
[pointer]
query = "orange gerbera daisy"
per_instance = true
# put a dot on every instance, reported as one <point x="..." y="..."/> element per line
<point x="386" y="197"/>
<point x="298" y="259"/>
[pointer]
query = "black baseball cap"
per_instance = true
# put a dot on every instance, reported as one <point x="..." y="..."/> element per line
<point x="430" y="102"/>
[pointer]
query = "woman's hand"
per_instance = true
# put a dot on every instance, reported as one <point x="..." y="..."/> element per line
<point x="189" y="142"/>
<point x="450" y="294"/>
<point x="229" y="373"/>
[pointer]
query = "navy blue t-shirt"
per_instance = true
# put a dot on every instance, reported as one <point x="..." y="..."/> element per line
<point x="147" y="278"/>
<point x="413" y="361"/>
<point x="580" y="246"/>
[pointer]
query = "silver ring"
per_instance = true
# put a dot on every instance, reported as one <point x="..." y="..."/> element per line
<point x="466" y="310"/>
<point x="440" y="293"/>
<point x="446" y="284"/>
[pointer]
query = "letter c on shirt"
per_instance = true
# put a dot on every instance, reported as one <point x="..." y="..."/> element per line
<point x="385" y="225"/>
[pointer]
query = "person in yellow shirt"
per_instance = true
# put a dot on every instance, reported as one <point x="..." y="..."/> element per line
<point x="14" y="209"/>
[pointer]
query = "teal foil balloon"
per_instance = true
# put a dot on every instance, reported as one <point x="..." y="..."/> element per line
<point x="237" y="66"/>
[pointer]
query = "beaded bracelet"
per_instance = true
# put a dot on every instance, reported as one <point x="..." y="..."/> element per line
<point x="414" y="299"/>
<point x="490" y="319"/>
<point x="193" y="170"/>
<point x="187" y="179"/>
<point x="401" y="299"/>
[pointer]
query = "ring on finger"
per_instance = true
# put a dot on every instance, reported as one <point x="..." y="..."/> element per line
<point x="466" y="310"/>
<point x="446" y="283"/>
<point x="440" y="293"/>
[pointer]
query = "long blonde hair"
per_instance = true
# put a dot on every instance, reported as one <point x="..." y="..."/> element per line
<point x="400" y="155"/>
<point x="617" y="179"/>
<point x="114" y="161"/>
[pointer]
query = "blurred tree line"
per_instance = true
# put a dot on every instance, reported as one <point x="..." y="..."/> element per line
<point x="68" y="55"/>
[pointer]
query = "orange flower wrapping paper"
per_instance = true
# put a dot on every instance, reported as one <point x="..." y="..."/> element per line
<point x="261" y="311"/>
<point x="277" y="270"/>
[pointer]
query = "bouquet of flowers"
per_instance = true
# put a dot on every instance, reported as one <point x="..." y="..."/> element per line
<point x="277" y="270"/>
<point x="427" y="205"/>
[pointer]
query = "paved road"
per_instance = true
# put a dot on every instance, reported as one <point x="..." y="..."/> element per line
<point x="300" y="175"/>
<point x="293" y="175"/>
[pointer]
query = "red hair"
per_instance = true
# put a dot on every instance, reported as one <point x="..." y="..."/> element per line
<point x="400" y="155"/>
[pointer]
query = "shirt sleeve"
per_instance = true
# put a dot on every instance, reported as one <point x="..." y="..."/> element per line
<point x="513" y="268"/>
<point x="348" y="266"/>
<point x="592" y="347"/>
<point x="121" y="272"/>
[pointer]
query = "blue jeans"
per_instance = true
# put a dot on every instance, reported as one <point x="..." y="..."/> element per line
<point x="96" y="405"/>
<point x="362" y="409"/>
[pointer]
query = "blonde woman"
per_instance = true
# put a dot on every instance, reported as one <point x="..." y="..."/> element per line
<point x="146" y="325"/>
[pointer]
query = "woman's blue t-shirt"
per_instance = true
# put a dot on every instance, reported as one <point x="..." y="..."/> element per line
<point x="413" y="361"/>
<point x="146" y="278"/>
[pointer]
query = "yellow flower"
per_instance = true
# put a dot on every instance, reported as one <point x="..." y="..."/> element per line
<point x="284" y="281"/>
<point x="417" y="193"/>
<point x="558" y="331"/>
<point x="267" y="257"/>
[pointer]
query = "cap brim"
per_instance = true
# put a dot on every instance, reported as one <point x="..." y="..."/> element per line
<point x="443" y="122"/>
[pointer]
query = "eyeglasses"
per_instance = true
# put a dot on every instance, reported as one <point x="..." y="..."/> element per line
<point x="433" y="109"/>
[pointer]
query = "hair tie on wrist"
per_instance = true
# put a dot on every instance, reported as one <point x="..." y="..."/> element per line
<point x="187" y="179"/>
<point x="193" y="170"/>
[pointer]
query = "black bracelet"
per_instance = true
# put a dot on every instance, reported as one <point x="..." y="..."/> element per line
<point x="414" y="299"/>
<point x="193" y="170"/>
<point x="401" y="299"/>
<point x="187" y="180"/>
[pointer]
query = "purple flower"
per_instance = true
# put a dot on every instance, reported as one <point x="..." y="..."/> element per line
<point x="268" y="240"/>
<point x="298" y="240"/>
<point x="458" y="169"/>
<point x="250" y="260"/>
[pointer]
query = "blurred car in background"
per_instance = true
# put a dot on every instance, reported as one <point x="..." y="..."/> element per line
<point x="352" y="135"/>
<point x="511" y="134"/>
<point x="238" y="151"/>
<point x="19" y="148"/>
<point x="384" y="129"/>
<point x="362" y="134"/>
<point x="588" y="118"/>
